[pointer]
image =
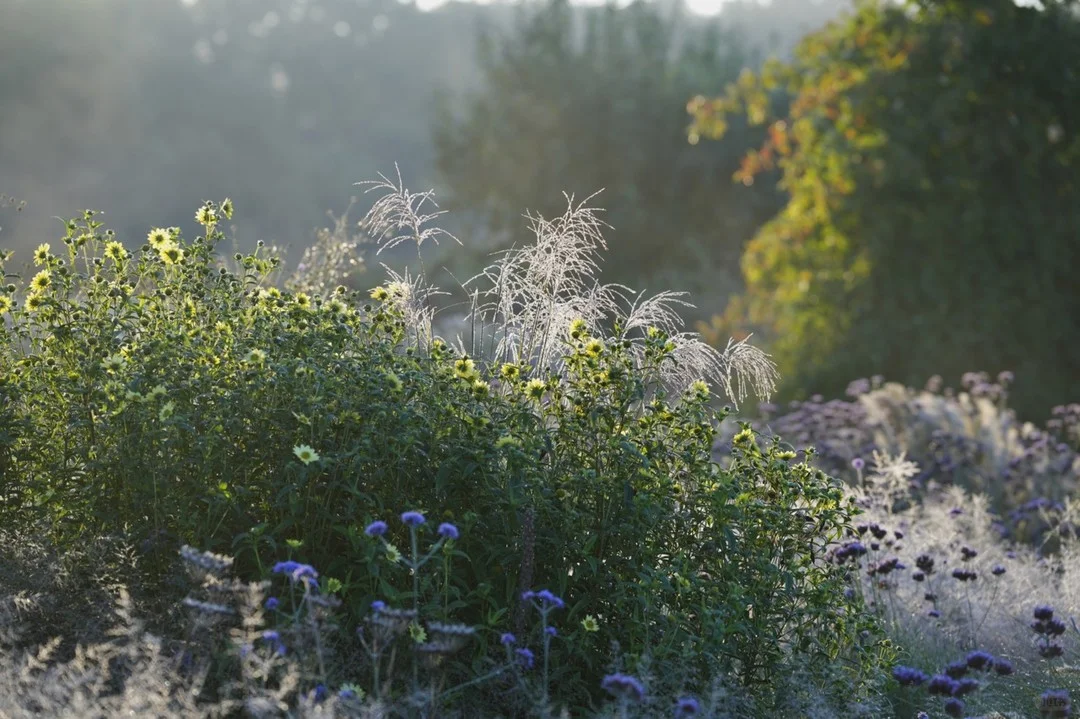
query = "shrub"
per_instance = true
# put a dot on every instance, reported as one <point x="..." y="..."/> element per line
<point x="167" y="397"/>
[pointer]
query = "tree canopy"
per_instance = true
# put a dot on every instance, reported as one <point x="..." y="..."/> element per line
<point x="930" y="152"/>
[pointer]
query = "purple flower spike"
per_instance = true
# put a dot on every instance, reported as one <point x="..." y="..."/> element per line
<point x="448" y="531"/>
<point x="376" y="529"/>
<point x="413" y="519"/>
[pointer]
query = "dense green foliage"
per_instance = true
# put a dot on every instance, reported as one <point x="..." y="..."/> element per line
<point x="931" y="154"/>
<point x="166" y="397"/>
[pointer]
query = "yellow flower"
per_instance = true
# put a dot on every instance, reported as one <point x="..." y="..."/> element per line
<point x="393" y="553"/>
<point x="594" y="347"/>
<point x="42" y="254"/>
<point x="464" y="367"/>
<point x="305" y="454"/>
<point x="171" y="254"/>
<point x="480" y="388"/>
<point x="335" y="307"/>
<point x="535" y="388"/>
<point x="590" y="624"/>
<point x="380" y="294"/>
<point x="206" y="216"/>
<point x="158" y="238"/>
<point x="166" y="410"/>
<point x="302" y="300"/>
<point x="510" y="372"/>
<point x="700" y="389"/>
<point x="41" y="282"/>
<point x="393" y="380"/>
<point x="6" y="304"/>
<point x="115" y="251"/>
<point x="578" y="328"/>
<point x="227" y="208"/>
<point x="114" y="363"/>
<point x="255" y="356"/>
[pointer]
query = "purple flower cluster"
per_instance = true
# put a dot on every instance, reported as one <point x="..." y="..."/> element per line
<point x="964" y="575"/>
<point x="1055" y="704"/>
<point x="848" y="551"/>
<point x="908" y="676"/>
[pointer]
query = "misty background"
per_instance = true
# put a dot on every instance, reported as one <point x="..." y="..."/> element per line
<point x="145" y="108"/>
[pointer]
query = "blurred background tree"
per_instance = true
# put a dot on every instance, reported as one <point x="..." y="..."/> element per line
<point x="594" y="100"/>
<point x="930" y="151"/>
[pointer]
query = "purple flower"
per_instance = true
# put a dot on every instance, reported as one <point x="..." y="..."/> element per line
<point x="998" y="570"/>
<point x="320" y="692"/>
<point x="296" y="570"/>
<point x="272" y="603"/>
<point x="413" y="519"/>
<point x="687" y="707"/>
<point x="964" y="575"/>
<point x="376" y="529"/>
<point x="980" y="660"/>
<point x="1055" y="703"/>
<point x="508" y="639"/>
<point x="550" y="631"/>
<point x="378" y="605"/>
<point x="954" y="707"/>
<point x="918" y="576"/>
<point x="908" y="676"/>
<point x="271" y="636"/>
<point x="858" y="464"/>
<point x="547" y="599"/>
<point x="955" y="670"/>
<point x="448" y="531"/>
<point x="1044" y="612"/>
<point x="525" y="657"/>
<point x="934" y="613"/>
<point x="925" y="563"/>
<point x="968" y="553"/>
<point x="623" y="686"/>
<point x="1003" y="667"/>
<point x="941" y="685"/>
<point x="955" y="512"/>
<point x="965" y="686"/>
<point x="1051" y="651"/>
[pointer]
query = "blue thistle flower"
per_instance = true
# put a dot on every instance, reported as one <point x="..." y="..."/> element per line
<point x="1003" y="667"/>
<point x="376" y="529"/>
<point x="980" y="660"/>
<point x="954" y="707"/>
<point x="550" y="631"/>
<point x="525" y="657"/>
<point x="941" y="685"/>
<point x="272" y="603"/>
<point x="956" y="670"/>
<point x="965" y="686"/>
<point x="448" y="531"/>
<point x="1044" y="612"/>
<point x="412" y="519"/>
<point x="508" y="639"/>
<point x="378" y="605"/>
<point x="908" y="676"/>
<point x="623" y="686"/>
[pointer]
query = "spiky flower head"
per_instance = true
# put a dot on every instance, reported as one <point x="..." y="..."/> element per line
<point x="376" y="529"/>
<point x="34" y="302"/>
<point x="480" y="388"/>
<point x="305" y="454"/>
<point x="380" y="294"/>
<point x="510" y="372"/>
<point x="594" y="347"/>
<point x="255" y="357"/>
<point x="464" y="367"/>
<point x="114" y="363"/>
<point x="448" y="531"/>
<point x="590" y="624"/>
<point x="227" y="208"/>
<point x="393" y="554"/>
<point x="6" y="304"/>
